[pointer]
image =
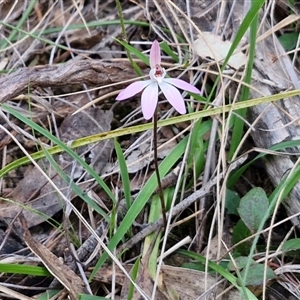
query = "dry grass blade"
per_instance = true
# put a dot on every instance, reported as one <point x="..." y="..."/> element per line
<point x="55" y="266"/>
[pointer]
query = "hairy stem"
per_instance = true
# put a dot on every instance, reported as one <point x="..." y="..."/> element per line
<point x="160" y="189"/>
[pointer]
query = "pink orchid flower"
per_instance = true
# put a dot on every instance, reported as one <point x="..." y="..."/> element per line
<point x="157" y="79"/>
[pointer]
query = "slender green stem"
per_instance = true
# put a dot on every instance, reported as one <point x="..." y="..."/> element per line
<point x="120" y="12"/>
<point x="159" y="189"/>
<point x="124" y="36"/>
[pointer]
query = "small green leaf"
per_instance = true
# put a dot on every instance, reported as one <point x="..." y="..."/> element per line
<point x="232" y="202"/>
<point x="134" y="51"/>
<point x="291" y="245"/>
<point x="255" y="275"/>
<point x="239" y="263"/>
<point x="253" y="207"/>
<point x="240" y="232"/>
<point x="124" y="174"/>
<point x="289" y="40"/>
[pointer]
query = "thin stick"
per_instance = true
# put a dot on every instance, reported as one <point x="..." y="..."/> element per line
<point x="160" y="189"/>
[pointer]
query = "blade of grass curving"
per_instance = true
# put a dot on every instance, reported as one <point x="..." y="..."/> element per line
<point x="144" y="58"/>
<point x="220" y="270"/>
<point x="250" y="16"/>
<point x="286" y="186"/>
<point x="124" y="174"/>
<point x="75" y="188"/>
<point x="166" y="48"/>
<point x="238" y="173"/>
<point x="248" y="20"/>
<point x="80" y="26"/>
<point x="238" y="126"/>
<point x="4" y="43"/>
<point x="24" y="269"/>
<point x="143" y="197"/>
<point x="139" y="128"/>
<point x="36" y="34"/>
<point x="45" y="217"/>
<point x="64" y="147"/>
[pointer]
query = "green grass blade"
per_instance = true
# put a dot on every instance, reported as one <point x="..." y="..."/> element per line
<point x="75" y="188"/>
<point x="143" y="197"/>
<point x="63" y="146"/>
<point x="248" y="20"/>
<point x="24" y="269"/>
<point x="220" y="270"/>
<point x="45" y="217"/>
<point x="124" y="174"/>
<point x="166" y="48"/>
<point x="280" y="146"/>
<point x="250" y="16"/>
<point x="238" y="126"/>
<point x="36" y="35"/>
<point x="136" y="52"/>
<point x="24" y="17"/>
<point x="32" y="35"/>
<point x="92" y="24"/>
<point x="134" y="275"/>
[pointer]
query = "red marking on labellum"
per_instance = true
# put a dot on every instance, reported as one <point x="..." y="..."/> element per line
<point x="158" y="71"/>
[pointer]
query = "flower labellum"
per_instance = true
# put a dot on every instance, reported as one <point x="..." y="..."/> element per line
<point x="157" y="80"/>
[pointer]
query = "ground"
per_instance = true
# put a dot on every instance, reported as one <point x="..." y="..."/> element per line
<point x="100" y="202"/>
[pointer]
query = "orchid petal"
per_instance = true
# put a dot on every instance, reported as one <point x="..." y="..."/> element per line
<point x="133" y="89"/>
<point x="183" y="85"/>
<point x="155" y="58"/>
<point x="173" y="96"/>
<point x="149" y="100"/>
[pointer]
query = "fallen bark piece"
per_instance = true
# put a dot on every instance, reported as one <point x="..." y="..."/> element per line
<point x="69" y="279"/>
<point x="89" y="72"/>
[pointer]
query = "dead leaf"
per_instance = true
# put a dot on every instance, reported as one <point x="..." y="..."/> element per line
<point x="71" y="281"/>
<point x="190" y="284"/>
<point x="213" y="251"/>
<point x="212" y="46"/>
<point x="3" y="63"/>
<point x="175" y="282"/>
<point x="144" y="280"/>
